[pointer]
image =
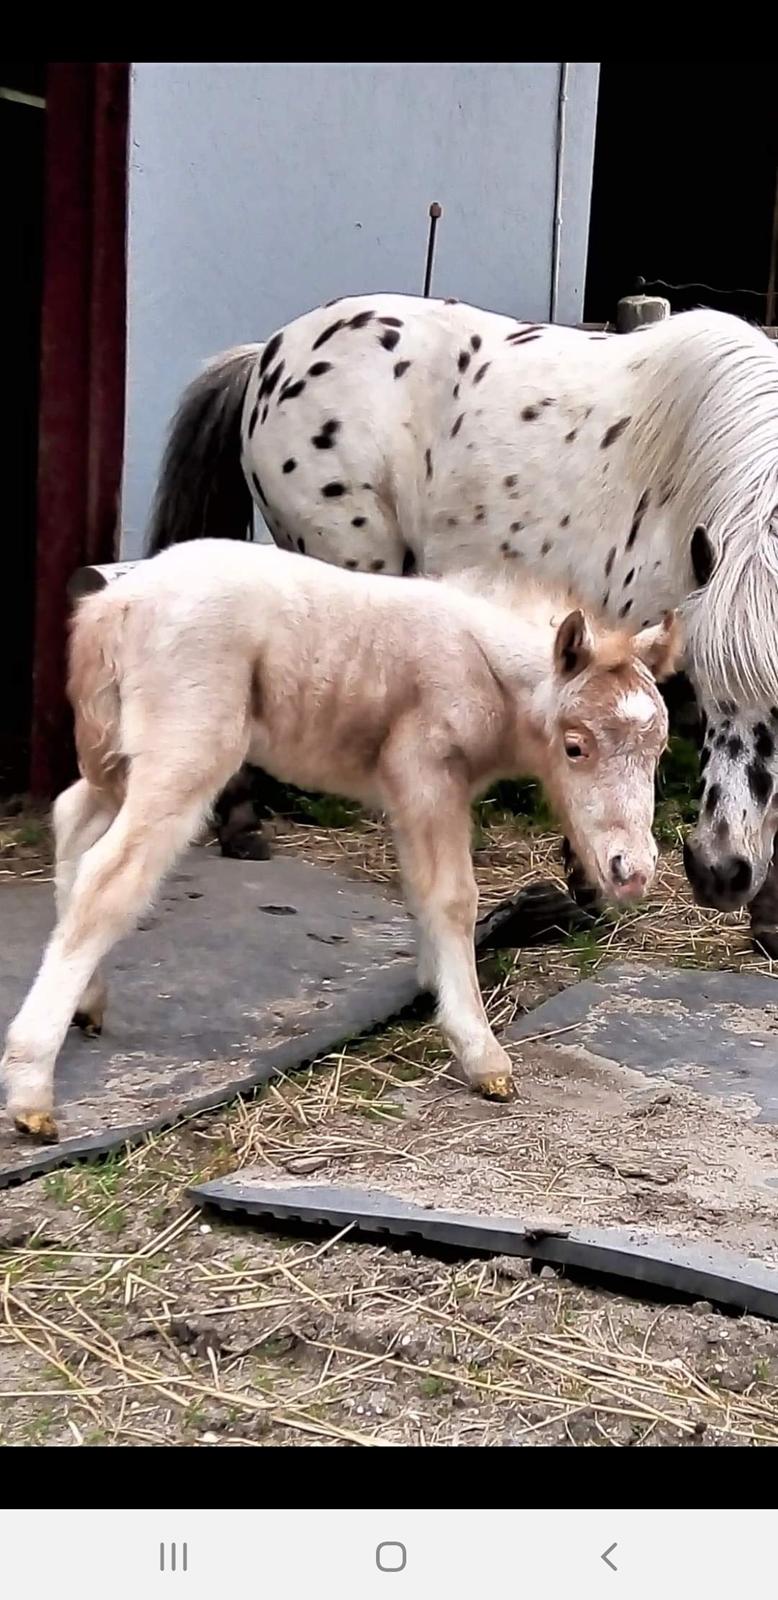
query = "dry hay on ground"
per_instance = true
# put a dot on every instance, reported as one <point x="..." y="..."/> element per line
<point x="126" y="1317"/>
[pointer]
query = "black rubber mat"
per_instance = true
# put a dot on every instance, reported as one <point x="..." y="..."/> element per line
<point x="702" y="1271"/>
<point x="244" y="969"/>
<point x="715" y="1032"/>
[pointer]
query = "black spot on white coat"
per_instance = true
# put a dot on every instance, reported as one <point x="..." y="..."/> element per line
<point x="290" y="391"/>
<point x="759" y="782"/>
<point x="270" y="352"/>
<point x="614" y="432"/>
<point x="333" y="328"/>
<point x="640" y="511"/>
<point x="326" y="438"/>
<point x="270" y="380"/>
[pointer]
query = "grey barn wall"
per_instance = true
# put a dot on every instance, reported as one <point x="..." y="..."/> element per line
<point x="259" y="189"/>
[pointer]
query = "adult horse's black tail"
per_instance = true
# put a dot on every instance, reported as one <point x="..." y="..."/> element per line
<point x="202" y="492"/>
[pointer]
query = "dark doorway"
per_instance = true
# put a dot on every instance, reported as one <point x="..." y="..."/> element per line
<point x="63" y="160"/>
<point x="22" y="137"/>
<point x="685" y="178"/>
<point x="81" y="411"/>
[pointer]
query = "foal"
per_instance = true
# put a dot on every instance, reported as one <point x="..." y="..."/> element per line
<point x="411" y="697"/>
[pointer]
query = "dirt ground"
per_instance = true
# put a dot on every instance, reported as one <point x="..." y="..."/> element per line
<point x="129" y="1317"/>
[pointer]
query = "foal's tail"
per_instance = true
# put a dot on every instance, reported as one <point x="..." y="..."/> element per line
<point x="94" y="681"/>
<point x="202" y="492"/>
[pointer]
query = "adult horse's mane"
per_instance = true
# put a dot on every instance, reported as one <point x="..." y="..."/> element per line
<point x="708" y="434"/>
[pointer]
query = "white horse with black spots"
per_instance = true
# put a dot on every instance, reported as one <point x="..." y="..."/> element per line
<point x="392" y="434"/>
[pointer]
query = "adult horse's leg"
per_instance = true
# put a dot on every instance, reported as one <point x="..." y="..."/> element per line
<point x="237" y="815"/>
<point x="763" y="912"/>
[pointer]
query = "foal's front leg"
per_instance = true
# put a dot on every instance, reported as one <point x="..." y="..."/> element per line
<point x="434" y="854"/>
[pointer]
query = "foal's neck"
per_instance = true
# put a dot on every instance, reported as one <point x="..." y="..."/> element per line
<point x="515" y="628"/>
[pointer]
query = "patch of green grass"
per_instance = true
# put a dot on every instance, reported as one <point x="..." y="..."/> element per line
<point x="329" y="810"/>
<point x="584" y="946"/>
<point x="503" y="963"/>
<point x="114" y="1221"/>
<point x="31" y="832"/>
<point x="386" y="1112"/>
<point x="42" y="1424"/>
<point x="47" y="1263"/>
<point x="522" y="803"/>
<point x="403" y="1071"/>
<point x="463" y="1291"/>
<point x="59" y="1186"/>
<point x="433" y="1386"/>
<point x="103" y="1177"/>
<point x="671" y="820"/>
<point x="263" y="1381"/>
<point x="679" y="769"/>
<point x="364" y="1083"/>
<point x="676" y="789"/>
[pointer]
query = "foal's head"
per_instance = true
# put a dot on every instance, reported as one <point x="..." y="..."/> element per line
<point x="607" y="726"/>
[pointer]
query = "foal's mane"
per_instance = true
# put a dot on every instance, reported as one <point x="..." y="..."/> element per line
<point x="707" y="431"/>
<point x="544" y="608"/>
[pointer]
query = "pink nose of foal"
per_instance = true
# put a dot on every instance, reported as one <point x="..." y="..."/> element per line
<point x="629" y="885"/>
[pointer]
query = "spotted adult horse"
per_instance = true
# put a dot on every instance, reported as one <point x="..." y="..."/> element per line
<point x="392" y="434"/>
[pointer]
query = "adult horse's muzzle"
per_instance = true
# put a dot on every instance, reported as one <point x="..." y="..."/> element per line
<point x="722" y="885"/>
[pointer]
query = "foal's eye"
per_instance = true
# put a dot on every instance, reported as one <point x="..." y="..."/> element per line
<point x="573" y="748"/>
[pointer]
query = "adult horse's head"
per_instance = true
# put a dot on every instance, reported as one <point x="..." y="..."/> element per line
<point x="732" y="634"/>
<point x="607" y="727"/>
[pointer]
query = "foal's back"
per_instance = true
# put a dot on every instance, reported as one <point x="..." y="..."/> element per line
<point x="323" y="664"/>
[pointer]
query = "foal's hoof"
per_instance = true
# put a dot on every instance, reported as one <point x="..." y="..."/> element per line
<point x="500" y="1087"/>
<point x="91" y="1024"/>
<point x="37" y="1125"/>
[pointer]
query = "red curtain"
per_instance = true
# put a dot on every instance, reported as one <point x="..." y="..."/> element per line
<point x="83" y="329"/>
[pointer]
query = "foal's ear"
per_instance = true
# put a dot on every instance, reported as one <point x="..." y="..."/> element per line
<point x="573" y="646"/>
<point x="660" y="648"/>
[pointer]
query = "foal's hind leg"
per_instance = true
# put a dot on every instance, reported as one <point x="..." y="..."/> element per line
<point x="117" y="877"/>
<point x="81" y="815"/>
